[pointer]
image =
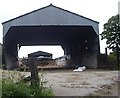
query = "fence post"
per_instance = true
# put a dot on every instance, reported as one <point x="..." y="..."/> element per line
<point x="34" y="71"/>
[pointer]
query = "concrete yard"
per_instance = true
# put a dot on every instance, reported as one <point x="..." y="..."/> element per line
<point x="69" y="83"/>
<point x="87" y="83"/>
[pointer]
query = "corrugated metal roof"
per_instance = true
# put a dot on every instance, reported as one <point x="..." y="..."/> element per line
<point x="46" y="7"/>
<point x="50" y="15"/>
<point x="39" y="53"/>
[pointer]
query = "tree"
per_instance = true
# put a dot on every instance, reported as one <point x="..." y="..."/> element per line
<point x="111" y="32"/>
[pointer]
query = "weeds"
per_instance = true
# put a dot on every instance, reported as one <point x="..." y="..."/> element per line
<point x="11" y="88"/>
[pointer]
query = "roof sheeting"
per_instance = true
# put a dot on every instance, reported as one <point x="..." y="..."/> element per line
<point x="39" y="53"/>
<point x="50" y="15"/>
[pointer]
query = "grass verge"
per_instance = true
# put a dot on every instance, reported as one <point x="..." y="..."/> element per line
<point x="12" y="89"/>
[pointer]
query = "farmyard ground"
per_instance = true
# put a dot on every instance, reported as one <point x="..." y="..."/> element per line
<point x="86" y="83"/>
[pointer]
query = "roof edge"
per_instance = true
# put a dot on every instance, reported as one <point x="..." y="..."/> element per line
<point x="75" y="14"/>
<point x="41" y="52"/>
<point x="26" y="14"/>
<point x="46" y="7"/>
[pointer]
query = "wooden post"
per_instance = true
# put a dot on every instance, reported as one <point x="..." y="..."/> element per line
<point x="117" y="55"/>
<point x="106" y="53"/>
<point x="34" y="71"/>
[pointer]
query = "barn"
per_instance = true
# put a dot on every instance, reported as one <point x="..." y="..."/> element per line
<point x="52" y="25"/>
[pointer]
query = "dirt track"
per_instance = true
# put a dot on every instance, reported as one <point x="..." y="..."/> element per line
<point x="87" y="83"/>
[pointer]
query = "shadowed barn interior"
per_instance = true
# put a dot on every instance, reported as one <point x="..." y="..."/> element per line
<point x="51" y="25"/>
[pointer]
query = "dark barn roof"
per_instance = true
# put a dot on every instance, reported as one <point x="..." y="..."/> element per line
<point x="39" y="53"/>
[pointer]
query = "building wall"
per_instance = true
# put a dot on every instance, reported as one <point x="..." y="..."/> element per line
<point x="89" y="60"/>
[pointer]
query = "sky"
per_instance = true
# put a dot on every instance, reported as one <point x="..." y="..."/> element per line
<point x="98" y="10"/>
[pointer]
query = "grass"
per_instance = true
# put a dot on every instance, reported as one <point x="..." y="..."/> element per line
<point x="11" y="88"/>
<point x="117" y="67"/>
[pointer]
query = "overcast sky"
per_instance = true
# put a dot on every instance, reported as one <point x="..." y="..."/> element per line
<point x="98" y="10"/>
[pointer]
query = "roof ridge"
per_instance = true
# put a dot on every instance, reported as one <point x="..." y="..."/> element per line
<point x="46" y="7"/>
<point x="40" y="51"/>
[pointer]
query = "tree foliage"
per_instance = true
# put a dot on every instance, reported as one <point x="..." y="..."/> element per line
<point x="112" y="32"/>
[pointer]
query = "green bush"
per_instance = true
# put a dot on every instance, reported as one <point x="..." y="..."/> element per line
<point x="112" y="56"/>
<point x="11" y="88"/>
<point x="118" y="67"/>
